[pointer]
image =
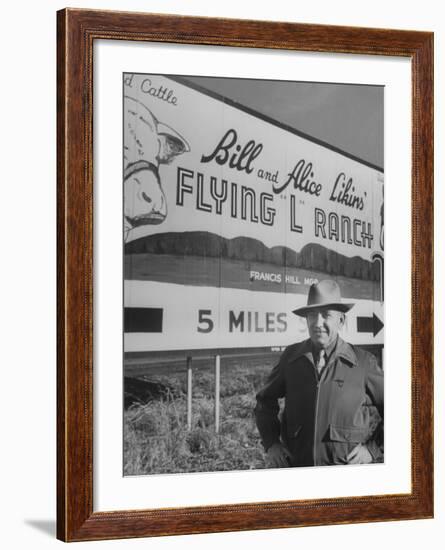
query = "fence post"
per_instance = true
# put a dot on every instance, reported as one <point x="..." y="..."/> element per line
<point x="217" y="390"/>
<point x="189" y="393"/>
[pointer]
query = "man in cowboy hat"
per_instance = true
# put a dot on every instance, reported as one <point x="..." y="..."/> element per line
<point x="331" y="391"/>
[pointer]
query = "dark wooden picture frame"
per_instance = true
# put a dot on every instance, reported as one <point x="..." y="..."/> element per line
<point x="77" y="31"/>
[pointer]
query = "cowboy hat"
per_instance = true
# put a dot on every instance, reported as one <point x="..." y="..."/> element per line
<point x="323" y="294"/>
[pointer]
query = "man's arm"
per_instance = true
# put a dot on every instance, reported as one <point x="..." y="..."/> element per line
<point x="374" y="389"/>
<point x="267" y="407"/>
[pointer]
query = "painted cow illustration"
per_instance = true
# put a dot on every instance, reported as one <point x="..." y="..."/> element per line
<point x="148" y="143"/>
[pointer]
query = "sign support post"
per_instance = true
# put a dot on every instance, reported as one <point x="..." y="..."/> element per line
<point x="217" y="391"/>
<point x="189" y="393"/>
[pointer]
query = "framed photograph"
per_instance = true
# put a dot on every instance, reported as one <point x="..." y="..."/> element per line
<point x="245" y="229"/>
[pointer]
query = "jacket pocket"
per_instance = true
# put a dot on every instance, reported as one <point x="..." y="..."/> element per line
<point x="347" y="434"/>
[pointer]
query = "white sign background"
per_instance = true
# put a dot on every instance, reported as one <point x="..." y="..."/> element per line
<point x="202" y="121"/>
<point x="111" y="490"/>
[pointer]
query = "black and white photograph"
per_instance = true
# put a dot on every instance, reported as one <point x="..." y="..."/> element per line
<point x="253" y="278"/>
<point x="222" y="273"/>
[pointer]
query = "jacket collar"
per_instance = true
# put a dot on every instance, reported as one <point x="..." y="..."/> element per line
<point x="343" y="350"/>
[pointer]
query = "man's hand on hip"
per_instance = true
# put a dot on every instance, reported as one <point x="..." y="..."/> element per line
<point x="359" y="455"/>
<point x="277" y="456"/>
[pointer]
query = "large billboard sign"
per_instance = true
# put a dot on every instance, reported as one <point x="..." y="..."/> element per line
<point x="229" y="217"/>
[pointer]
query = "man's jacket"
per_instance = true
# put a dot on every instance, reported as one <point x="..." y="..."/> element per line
<point x="324" y="416"/>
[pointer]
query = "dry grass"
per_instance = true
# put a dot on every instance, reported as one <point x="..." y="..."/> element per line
<point x="156" y="439"/>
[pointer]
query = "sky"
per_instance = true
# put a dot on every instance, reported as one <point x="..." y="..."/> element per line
<point x="347" y="117"/>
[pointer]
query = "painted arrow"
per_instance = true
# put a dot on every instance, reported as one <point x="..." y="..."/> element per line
<point x="369" y="324"/>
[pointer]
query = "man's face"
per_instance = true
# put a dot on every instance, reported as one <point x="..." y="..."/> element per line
<point x="323" y="325"/>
